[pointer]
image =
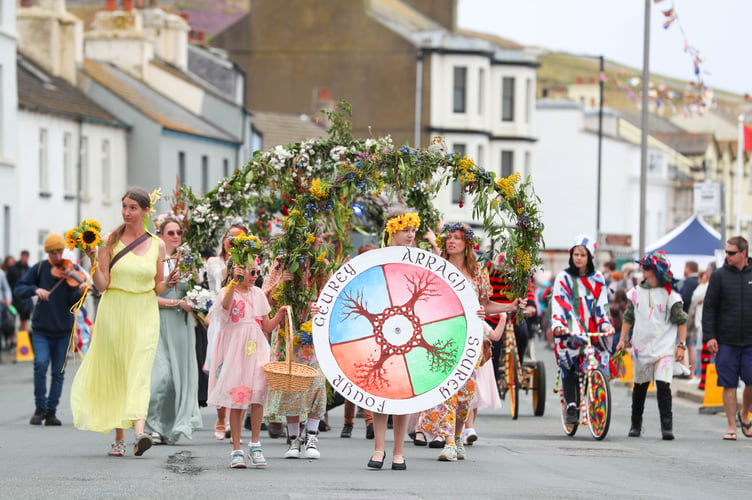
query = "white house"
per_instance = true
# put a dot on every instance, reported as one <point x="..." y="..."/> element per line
<point x="482" y="103"/>
<point x="9" y="195"/>
<point x="72" y="154"/>
<point x="566" y="177"/>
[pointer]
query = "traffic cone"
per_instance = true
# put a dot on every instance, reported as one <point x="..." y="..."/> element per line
<point x="712" y="403"/>
<point x="24" y="352"/>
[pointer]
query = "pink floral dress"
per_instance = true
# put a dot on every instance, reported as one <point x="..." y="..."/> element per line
<point x="236" y="376"/>
<point x="440" y="420"/>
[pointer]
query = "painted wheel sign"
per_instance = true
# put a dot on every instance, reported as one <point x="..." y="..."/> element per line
<point x="398" y="330"/>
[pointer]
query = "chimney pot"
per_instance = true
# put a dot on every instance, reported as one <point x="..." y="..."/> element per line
<point x="127" y="5"/>
<point x="27" y="3"/>
<point x="186" y="17"/>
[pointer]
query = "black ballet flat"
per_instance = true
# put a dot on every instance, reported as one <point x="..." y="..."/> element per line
<point x="399" y="466"/>
<point x="376" y="464"/>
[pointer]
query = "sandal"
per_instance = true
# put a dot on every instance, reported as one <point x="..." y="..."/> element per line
<point x="143" y="443"/>
<point x="117" y="449"/>
<point x="437" y="443"/>
<point x="420" y="442"/>
<point x="745" y="427"/>
<point x="219" y="431"/>
<point x="729" y="436"/>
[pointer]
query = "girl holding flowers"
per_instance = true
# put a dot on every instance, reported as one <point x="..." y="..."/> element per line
<point x="309" y="405"/>
<point x="111" y="389"/>
<point x="241" y="348"/>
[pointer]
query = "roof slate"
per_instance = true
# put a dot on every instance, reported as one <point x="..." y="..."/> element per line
<point x="282" y="129"/>
<point x="40" y="91"/>
<point x="153" y="104"/>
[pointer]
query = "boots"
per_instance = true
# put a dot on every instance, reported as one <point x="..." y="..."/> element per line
<point x="663" y="390"/>
<point x="636" y="429"/>
<point x="639" y="392"/>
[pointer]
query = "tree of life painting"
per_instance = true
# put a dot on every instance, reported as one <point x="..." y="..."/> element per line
<point x="397" y="326"/>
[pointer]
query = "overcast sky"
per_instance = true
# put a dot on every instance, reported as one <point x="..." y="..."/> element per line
<point x="718" y="29"/>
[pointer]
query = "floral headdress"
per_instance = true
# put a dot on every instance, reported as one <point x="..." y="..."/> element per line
<point x="400" y="223"/>
<point x="659" y="264"/>
<point x="161" y="219"/>
<point x="458" y="226"/>
<point x="243" y="247"/>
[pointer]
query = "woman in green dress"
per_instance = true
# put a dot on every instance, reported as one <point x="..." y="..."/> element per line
<point x="173" y="407"/>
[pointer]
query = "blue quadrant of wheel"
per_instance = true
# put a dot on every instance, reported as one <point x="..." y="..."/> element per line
<point x="372" y="284"/>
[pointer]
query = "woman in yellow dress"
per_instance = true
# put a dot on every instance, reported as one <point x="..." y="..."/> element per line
<point x="112" y="387"/>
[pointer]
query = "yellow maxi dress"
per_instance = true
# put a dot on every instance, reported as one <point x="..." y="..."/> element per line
<point x="112" y="386"/>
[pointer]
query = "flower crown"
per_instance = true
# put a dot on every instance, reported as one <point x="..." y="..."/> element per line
<point x="402" y="222"/>
<point x="458" y="226"/>
<point x="160" y="220"/>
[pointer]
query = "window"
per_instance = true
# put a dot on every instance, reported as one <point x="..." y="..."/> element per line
<point x="44" y="173"/>
<point x="528" y="165"/>
<point x="67" y="166"/>
<point x="460" y="89"/>
<point x="181" y="167"/>
<point x="225" y="167"/>
<point x="2" y="136"/>
<point x="458" y="195"/>
<point x="106" y="170"/>
<point x="84" y="192"/>
<point x="481" y="90"/>
<point x="6" y="230"/>
<point x="507" y="163"/>
<point x="480" y="160"/>
<point x="654" y="163"/>
<point x="204" y="173"/>
<point x="528" y="100"/>
<point x="507" y="99"/>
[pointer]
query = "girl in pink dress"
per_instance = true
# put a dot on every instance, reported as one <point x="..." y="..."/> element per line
<point x="241" y="349"/>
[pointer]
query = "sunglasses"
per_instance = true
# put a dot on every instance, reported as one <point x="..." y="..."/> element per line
<point x="179" y="232"/>
<point x="254" y="272"/>
<point x="731" y="253"/>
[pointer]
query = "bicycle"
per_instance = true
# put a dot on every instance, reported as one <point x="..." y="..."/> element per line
<point x="529" y="376"/>
<point x="595" y="394"/>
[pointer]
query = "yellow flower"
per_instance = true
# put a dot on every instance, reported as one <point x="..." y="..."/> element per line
<point x="250" y="347"/>
<point x="321" y="257"/>
<point x="402" y="222"/>
<point x="318" y="189"/>
<point x="307" y="327"/>
<point x="311" y="238"/>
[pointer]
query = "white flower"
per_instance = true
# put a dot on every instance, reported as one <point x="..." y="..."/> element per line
<point x="199" y="297"/>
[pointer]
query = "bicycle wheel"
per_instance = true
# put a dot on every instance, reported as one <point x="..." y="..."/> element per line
<point x="569" y="429"/>
<point x="539" y="389"/>
<point x="598" y="404"/>
<point x="511" y="363"/>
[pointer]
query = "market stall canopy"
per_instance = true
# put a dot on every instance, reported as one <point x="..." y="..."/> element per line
<point x="693" y="240"/>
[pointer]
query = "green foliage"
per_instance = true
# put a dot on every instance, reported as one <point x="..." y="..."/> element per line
<point x="312" y="185"/>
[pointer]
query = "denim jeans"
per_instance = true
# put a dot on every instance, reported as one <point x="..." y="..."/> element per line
<point x="48" y="349"/>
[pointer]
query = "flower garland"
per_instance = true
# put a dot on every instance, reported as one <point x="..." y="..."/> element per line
<point x="310" y="190"/>
<point x="244" y="248"/>
<point x="402" y="222"/>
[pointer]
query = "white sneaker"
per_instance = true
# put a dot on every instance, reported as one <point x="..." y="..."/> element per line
<point x="294" y="450"/>
<point x="156" y="438"/>
<point x="238" y="460"/>
<point x="448" y="454"/>
<point x="311" y="447"/>
<point x="469" y="436"/>
<point x="460" y="451"/>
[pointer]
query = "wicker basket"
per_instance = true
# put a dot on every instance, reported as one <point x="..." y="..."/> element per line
<point x="286" y="376"/>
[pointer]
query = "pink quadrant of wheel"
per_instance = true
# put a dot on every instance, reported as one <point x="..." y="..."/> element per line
<point x="398" y="330"/>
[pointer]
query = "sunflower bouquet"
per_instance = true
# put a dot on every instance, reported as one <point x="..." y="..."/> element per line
<point x="85" y="237"/>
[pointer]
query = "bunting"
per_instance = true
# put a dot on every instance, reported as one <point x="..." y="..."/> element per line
<point x="700" y="97"/>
